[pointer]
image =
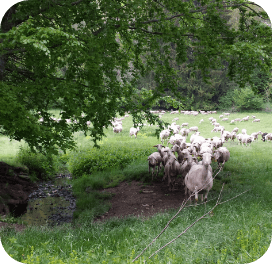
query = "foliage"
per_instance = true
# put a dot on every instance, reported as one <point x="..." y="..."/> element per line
<point x="245" y="99"/>
<point x="40" y="166"/>
<point x="106" y="157"/>
<point x="86" y="57"/>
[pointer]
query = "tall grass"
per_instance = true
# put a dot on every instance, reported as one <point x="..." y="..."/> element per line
<point x="238" y="231"/>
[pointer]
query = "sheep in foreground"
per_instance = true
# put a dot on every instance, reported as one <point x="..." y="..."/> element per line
<point x="163" y="154"/>
<point x="117" y="129"/>
<point x="171" y="170"/>
<point x="134" y="131"/>
<point x="199" y="178"/>
<point x="154" y="160"/>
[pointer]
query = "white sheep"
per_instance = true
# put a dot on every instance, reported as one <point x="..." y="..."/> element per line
<point x="171" y="170"/>
<point x="200" y="177"/>
<point x="246" y="139"/>
<point x="154" y="160"/>
<point x="185" y="124"/>
<point x="164" y="135"/>
<point x="244" y="131"/>
<point x="256" y="120"/>
<point x="235" y="129"/>
<point x="194" y="128"/>
<point x="221" y="155"/>
<point x="134" y="131"/>
<point x="117" y="129"/>
<point x="163" y="154"/>
<point x="175" y="139"/>
<point x="255" y="135"/>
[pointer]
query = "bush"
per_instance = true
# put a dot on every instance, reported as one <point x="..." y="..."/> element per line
<point x="226" y="102"/>
<point x="245" y="99"/>
<point x="40" y="166"/>
<point x="108" y="156"/>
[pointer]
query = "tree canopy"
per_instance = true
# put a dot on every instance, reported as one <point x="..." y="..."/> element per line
<point x="88" y="56"/>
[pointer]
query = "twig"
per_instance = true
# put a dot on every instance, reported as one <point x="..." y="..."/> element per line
<point x="181" y="208"/>
<point x="217" y="203"/>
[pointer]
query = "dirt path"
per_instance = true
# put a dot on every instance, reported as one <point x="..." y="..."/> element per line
<point x="136" y="198"/>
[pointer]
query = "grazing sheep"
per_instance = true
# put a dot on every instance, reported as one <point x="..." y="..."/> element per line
<point x="200" y="177"/>
<point x="221" y="116"/>
<point x="268" y="137"/>
<point x="246" y="139"/>
<point x="201" y="121"/>
<point x="154" y="160"/>
<point x="194" y="128"/>
<point x="256" y="120"/>
<point x="255" y="135"/>
<point x="221" y="155"/>
<point x="263" y="136"/>
<point x="185" y="124"/>
<point x="196" y="134"/>
<point x="245" y="118"/>
<point x="134" y="131"/>
<point x="237" y="119"/>
<point x="225" y="119"/>
<point x="226" y="114"/>
<point x="232" y="122"/>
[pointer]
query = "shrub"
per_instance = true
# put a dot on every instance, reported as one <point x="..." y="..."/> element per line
<point x="245" y="99"/>
<point x="40" y="166"/>
<point x="87" y="161"/>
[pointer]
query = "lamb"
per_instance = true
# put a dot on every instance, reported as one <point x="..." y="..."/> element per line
<point x="164" y="135"/>
<point x="221" y="155"/>
<point x="154" y="160"/>
<point x="134" y="131"/>
<point x="200" y="177"/>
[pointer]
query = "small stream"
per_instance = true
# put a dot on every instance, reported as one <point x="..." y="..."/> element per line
<point x="52" y="203"/>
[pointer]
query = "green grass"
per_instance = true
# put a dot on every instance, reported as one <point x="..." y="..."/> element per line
<point x="238" y="232"/>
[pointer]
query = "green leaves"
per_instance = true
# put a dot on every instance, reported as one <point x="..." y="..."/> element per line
<point x="87" y="57"/>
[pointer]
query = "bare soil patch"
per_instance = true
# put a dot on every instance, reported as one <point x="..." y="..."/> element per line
<point x="138" y="199"/>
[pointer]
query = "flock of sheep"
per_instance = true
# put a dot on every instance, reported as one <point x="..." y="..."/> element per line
<point x="193" y="161"/>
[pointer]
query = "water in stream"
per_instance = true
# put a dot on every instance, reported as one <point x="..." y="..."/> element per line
<point x="52" y="203"/>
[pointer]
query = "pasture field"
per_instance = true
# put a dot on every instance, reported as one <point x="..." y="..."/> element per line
<point x="238" y="231"/>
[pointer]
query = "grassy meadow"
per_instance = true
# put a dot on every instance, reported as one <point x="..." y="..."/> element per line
<point x="238" y="231"/>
